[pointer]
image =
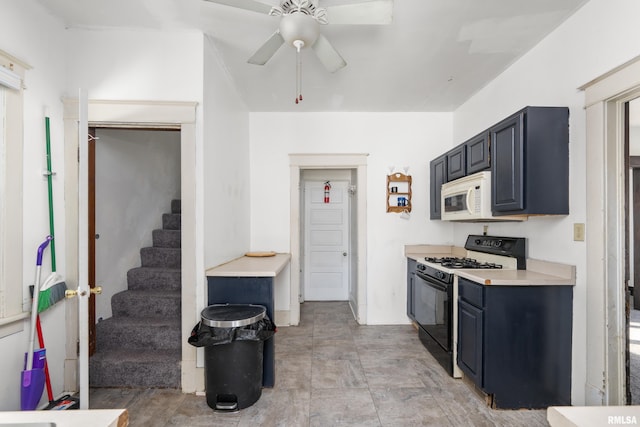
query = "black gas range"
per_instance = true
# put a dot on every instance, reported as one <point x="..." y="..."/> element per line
<point x="430" y="295"/>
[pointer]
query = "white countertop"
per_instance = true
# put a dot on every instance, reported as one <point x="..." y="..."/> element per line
<point x="514" y="278"/>
<point x="69" y="418"/>
<point x="245" y="266"/>
<point x="538" y="272"/>
<point x="592" y="416"/>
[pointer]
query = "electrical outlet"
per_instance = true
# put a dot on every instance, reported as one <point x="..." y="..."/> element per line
<point x="578" y="232"/>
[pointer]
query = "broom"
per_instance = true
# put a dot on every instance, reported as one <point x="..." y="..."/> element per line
<point x="53" y="288"/>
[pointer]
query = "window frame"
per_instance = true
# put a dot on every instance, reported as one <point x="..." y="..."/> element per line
<point x="11" y="207"/>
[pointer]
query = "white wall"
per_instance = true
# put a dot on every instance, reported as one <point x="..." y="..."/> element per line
<point x="593" y="41"/>
<point x="225" y="164"/>
<point x="400" y="139"/>
<point x="137" y="176"/>
<point x="45" y="83"/>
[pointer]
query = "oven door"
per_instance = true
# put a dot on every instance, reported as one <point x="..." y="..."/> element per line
<point x="433" y="309"/>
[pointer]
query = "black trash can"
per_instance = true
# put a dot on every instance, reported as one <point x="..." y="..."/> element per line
<point x="233" y="338"/>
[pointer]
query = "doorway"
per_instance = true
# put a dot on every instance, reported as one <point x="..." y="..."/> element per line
<point x="357" y="164"/>
<point x="135" y="176"/>
<point x="607" y="341"/>
<point x="178" y="115"/>
<point x="632" y="138"/>
<point x="326" y="236"/>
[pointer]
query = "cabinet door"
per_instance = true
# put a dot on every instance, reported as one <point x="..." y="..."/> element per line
<point x="456" y="163"/>
<point x="507" y="165"/>
<point x="478" y="158"/>
<point x="411" y="277"/>
<point x="438" y="177"/>
<point x="470" y="341"/>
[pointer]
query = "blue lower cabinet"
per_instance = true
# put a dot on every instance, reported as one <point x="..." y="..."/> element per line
<point x="514" y="343"/>
<point x="248" y="290"/>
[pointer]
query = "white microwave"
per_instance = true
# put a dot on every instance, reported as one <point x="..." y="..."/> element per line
<point x="469" y="199"/>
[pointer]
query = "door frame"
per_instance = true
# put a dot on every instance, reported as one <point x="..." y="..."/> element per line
<point x="358" y="162"/>
<point x="605" y="99"/>
<point x="133" y="114"/>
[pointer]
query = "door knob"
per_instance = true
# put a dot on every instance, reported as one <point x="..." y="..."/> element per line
<point x="71" y="293"/>
<point x="344" y="254"/>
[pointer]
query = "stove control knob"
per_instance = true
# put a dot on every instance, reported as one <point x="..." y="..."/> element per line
<point x="478" y="241"/>
<point x="498" y="243"/>
<point x="440" y="275"/>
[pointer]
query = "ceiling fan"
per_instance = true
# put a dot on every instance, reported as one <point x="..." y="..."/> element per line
<point x="300" y="22"/>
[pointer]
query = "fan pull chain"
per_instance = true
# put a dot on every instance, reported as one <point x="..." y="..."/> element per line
<point x="299" y="44"/>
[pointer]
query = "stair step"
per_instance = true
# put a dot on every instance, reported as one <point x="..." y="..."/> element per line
<point x="138" y="333"/>
<point x="176" y="206"/>
<point x="161" y="304"/>
<point x="154" y="278"/>
<point x="166" y="238"/>
<point x="135" y="368"/>
<point x="161" y="257"/>
<point x="171" y="221"/>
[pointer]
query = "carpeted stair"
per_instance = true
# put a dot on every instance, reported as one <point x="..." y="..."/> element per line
<point x="140" y="346"/>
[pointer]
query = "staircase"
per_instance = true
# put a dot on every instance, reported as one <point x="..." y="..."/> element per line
<point x="140" y="345"/>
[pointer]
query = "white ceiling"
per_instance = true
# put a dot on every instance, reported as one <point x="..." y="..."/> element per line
<point x="435" y="55"/>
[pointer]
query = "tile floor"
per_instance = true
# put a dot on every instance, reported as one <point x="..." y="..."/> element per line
<point x="332" y="372"/>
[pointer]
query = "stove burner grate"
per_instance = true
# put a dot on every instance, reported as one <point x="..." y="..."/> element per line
<point x="453" y="262"/>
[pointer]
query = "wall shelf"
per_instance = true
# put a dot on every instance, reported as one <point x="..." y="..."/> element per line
<point x="398" y="188"/>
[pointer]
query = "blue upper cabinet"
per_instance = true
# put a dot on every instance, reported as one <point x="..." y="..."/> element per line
<point x="478" y="158"/>
<point x="530" y="162"/>
<point x="438" y="176"/>
<point x="456" y="163"/>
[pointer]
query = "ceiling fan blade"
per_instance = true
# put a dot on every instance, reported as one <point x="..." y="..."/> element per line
<point x="267" y="50"/>
<point x="252" y="5"/>
<point x="327" y="54"/>
<point x="377" y="12"/>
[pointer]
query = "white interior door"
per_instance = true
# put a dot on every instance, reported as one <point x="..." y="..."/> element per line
<point x="326" y="242"/>
<point x="83" y="250"/>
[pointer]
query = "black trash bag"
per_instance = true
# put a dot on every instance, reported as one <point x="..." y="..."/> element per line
<point x="204" y="335"/>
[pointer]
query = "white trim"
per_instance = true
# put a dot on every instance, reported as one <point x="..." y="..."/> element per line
<point x="329" y="161"/>
<point x="606" y="326"/>
<point x="10" y="79"/>
<point x="135" y="114"/>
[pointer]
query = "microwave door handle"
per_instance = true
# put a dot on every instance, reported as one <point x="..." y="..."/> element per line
<point x="468" y="200"/>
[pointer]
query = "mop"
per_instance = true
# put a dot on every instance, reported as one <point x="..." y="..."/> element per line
<point x="54" y="287"/>
<point x="33" y="377"/>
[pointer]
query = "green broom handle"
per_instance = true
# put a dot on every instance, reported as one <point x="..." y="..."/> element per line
<point x="50" y="188"/>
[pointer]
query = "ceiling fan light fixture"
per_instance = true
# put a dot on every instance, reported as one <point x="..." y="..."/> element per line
<point x="299" y="26"/>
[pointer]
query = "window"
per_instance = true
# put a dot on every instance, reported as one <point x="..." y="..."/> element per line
<point x="11" y="111"/>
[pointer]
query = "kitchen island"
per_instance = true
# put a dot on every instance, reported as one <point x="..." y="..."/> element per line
<point x="250" y="280"/>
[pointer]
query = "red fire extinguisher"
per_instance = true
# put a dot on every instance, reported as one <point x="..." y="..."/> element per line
<point x="327" y="187"/>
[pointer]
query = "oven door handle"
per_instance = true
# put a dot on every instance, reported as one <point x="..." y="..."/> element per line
<point x="432" y="284"/>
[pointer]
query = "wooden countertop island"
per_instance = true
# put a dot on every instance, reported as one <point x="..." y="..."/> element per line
<point x="251" y="280"/>
<point x="268" y="266"/>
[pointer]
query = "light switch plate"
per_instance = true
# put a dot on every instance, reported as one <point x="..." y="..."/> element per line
<point x="578" y="232"/>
